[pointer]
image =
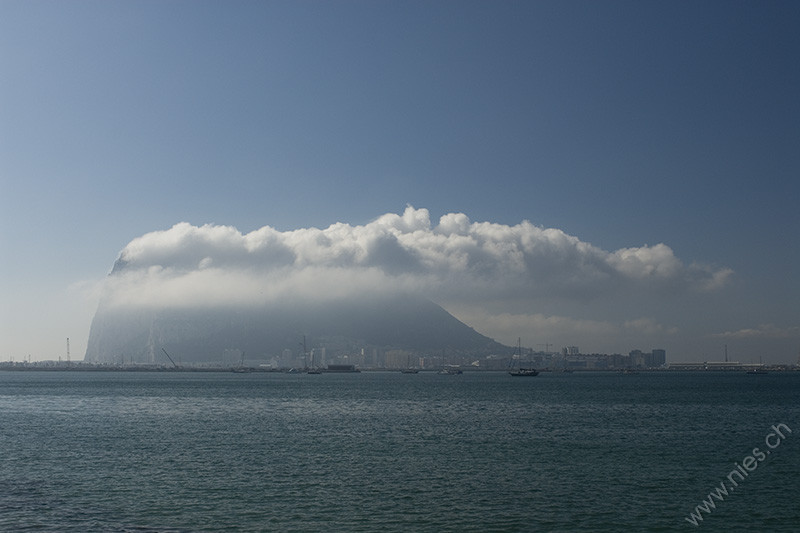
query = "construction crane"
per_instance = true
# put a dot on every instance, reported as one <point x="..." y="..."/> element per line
<point x="170" y="358"/>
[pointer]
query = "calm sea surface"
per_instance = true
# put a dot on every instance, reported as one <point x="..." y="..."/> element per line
<point x="84" y="451"/>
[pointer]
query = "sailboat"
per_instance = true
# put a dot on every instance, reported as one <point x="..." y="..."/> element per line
<point x="449" y="370"/>
<point x="756" y="370"/>
<point x="522" y="372"/>
<point x="408" y="369"/>
<point x="313" y="369"/>
<point x="241" y="369"/>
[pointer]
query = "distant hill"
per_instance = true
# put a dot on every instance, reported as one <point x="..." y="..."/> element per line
<point x="205" y="335"/>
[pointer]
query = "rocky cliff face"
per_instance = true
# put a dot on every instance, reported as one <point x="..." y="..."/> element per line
<point x="205" y="335"/>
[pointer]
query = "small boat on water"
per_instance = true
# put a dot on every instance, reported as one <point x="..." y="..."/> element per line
<point x="409" y="369"/>
<point x="756" y="369"/>
<point x="342" y="369"/>
<point x="450" y="370"/>
<point x="522" y="372"/>
<point x="313" y="369"/>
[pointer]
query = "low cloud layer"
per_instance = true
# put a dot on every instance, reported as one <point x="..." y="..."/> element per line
<point x="454" y="260"/>
<point x="763" y="331"/>
<point x="588" y="333"/>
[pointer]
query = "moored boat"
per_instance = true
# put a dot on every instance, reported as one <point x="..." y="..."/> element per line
<point x="342" y="369"/>
<point x="409" y="369"/>
<point x="522" y="372"/>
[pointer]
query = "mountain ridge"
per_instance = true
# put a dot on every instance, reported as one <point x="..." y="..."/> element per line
<point x="204" y="335"/>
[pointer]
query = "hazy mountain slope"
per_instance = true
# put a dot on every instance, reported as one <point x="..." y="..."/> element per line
<point x="200" y="335"/>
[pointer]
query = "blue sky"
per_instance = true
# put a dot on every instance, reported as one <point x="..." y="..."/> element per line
<point x="624" y="124"/>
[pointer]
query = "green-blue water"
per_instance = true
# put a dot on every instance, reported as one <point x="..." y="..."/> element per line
<point x="394" y="452"/>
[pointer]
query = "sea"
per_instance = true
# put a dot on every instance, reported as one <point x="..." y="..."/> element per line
<point x="386" y="451"/>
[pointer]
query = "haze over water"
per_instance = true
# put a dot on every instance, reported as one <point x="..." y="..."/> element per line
<point x="394" y="452"/>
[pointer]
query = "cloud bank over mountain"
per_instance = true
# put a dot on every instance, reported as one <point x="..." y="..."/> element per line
<point x="456" y="260"/>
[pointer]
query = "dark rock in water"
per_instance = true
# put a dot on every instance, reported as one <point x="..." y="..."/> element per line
<point x="205" y="335"/>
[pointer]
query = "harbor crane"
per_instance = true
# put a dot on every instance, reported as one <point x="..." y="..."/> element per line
<point x="170" y="358"/>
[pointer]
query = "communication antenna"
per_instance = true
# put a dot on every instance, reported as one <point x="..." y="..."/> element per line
<point x="67" y="349"/>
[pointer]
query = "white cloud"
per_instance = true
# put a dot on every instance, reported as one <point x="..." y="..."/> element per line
<point x="648" y="327"/>
<point x="763" y="331"/>
<point x="455" y="260"/>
